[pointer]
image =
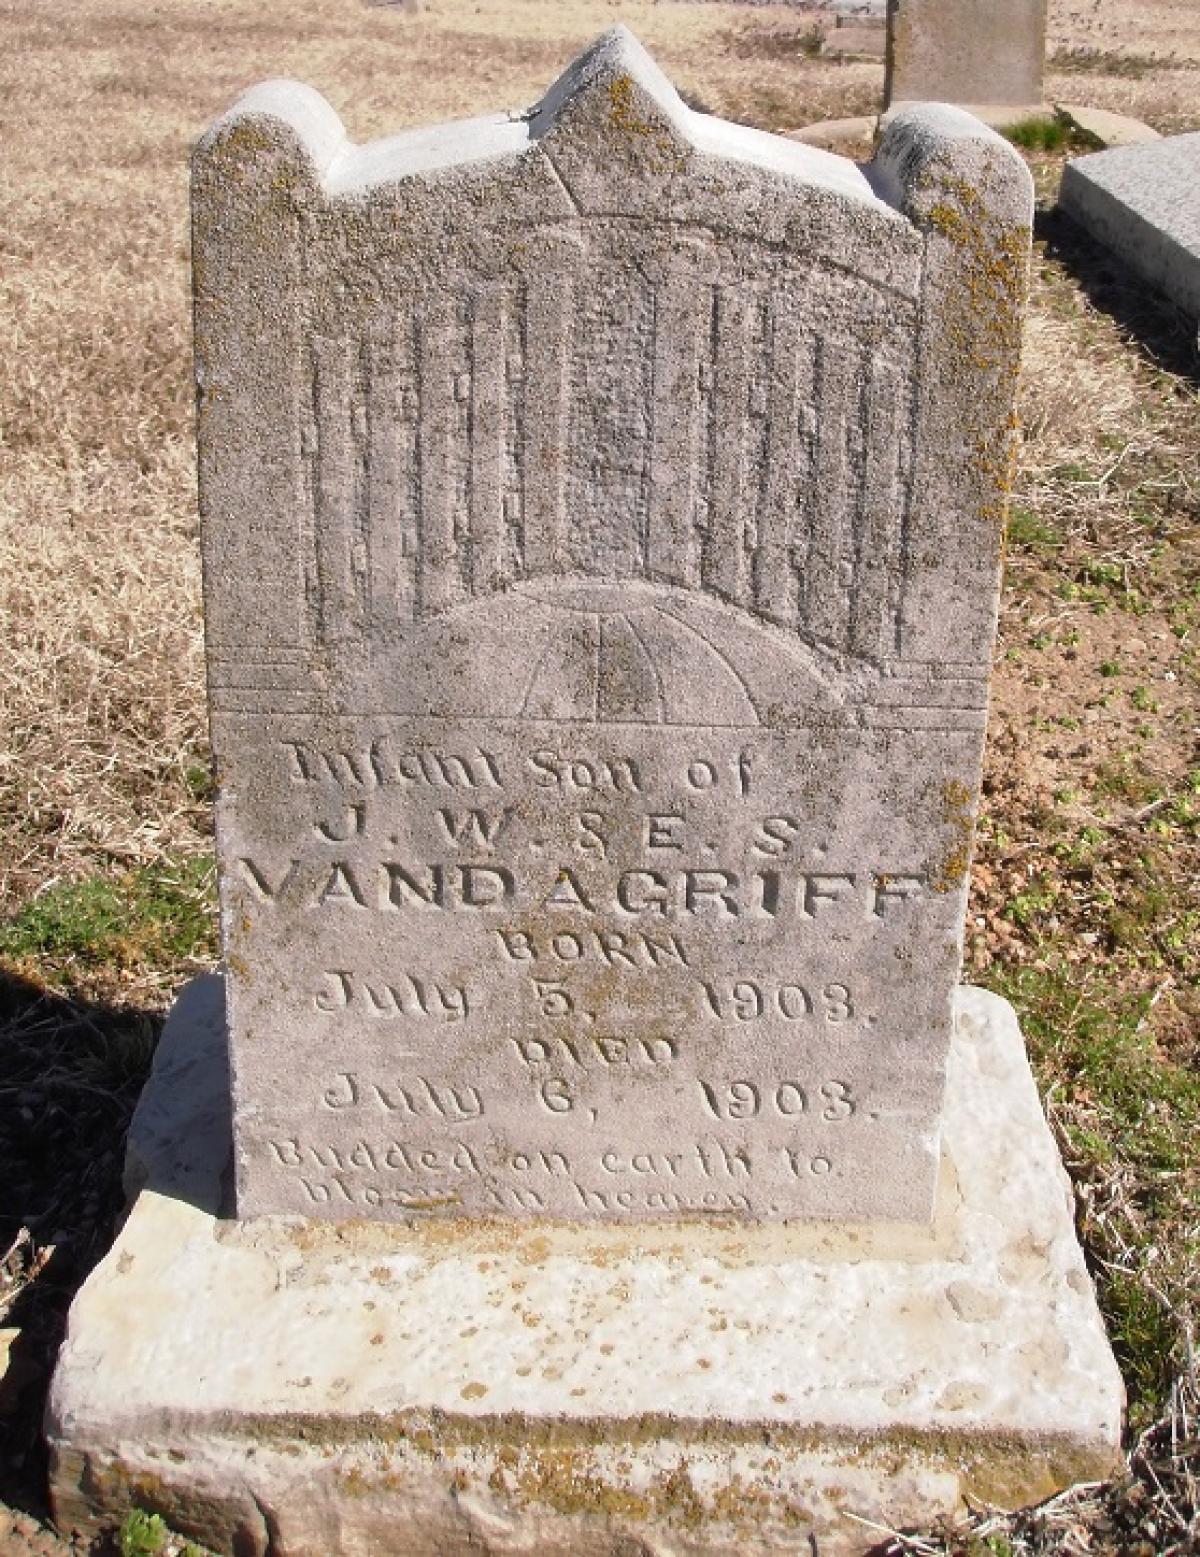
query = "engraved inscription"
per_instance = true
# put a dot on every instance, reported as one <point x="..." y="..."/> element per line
<point x="669" y="925"/>
<point x="604" y="1052"/>
<point x="832" y="1100"/>
<point x="746" y="1000"/>
<point x="707" y="1176"/>
<point x="789" y="895"/>
<point x="399" y="996"/>
<point x="416" y="1098"/>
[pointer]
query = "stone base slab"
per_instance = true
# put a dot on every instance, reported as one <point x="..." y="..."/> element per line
<point x="1141" y="203"/>
<point x="1100" y="125"/>
<point x="289" y="1387"/>
<point x="1105" y="127"/>
<point x="832" y="134"/>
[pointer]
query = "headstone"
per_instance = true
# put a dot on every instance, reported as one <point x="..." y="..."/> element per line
<point x="602" y="515"/>
<point x="602" y="511"/>
<point x="966" y="51"/>
<point x="1143" y="203"/>
<point x="858" y="36"/>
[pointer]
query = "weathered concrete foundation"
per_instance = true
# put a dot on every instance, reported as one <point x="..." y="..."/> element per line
<point x="288" y="1387"/>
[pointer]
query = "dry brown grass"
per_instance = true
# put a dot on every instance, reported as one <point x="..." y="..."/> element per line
<point x="1088" y="864"/>
<point x="101" y="698"/>
<point x="1138" y="57"/>
<point x="101" y="708"/>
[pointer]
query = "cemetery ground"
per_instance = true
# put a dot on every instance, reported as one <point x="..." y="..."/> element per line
<point x="1086" y="888"/>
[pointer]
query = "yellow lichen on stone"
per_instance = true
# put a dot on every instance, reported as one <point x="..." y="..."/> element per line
<point x="958" y="815"/>
<point x="621" y="113"/>
<point x="624" y="117"/>
<point x="992" y="266"/>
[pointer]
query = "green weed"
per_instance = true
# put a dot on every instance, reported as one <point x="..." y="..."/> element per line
<point x="1121" y="780"/>
<point x="148" y="1535"/>
<point x="199" y="781"/>
<point x="148" y="917"/>
<point x="1143" y="1334"/>
<point x="1039" y="134"/>
<point x="142" y="1534"/>
<point x="1026" y="529"/>
<point x="1026" y="908"/>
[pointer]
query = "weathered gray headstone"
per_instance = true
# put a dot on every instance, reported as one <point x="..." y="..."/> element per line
<point x="602" y="514"/>
<point x="966" y="51"/>
<point x="602" y="511"/>
<point x="1143" y="203"/>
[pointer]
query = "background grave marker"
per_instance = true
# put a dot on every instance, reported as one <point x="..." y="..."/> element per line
<point x="966" y="51"/>
<point x="1142" y="202"/>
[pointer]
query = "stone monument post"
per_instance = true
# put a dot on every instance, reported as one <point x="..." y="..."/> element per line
<point x="976" y="52"/>
<point x="602" y="510"/>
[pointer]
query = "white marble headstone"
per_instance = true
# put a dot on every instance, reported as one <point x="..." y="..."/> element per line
<point x="602" y="512"/>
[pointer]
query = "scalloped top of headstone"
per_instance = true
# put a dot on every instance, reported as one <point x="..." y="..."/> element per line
<point x="613" y="127"/>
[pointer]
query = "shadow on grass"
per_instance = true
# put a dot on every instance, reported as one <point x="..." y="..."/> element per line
<point x="1165" y="334"/>
<point x="71" y="1071"/>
